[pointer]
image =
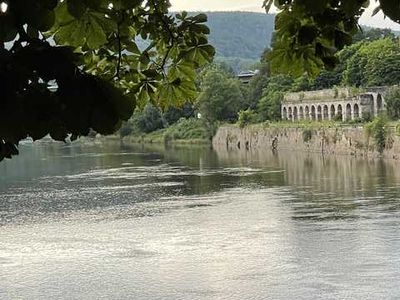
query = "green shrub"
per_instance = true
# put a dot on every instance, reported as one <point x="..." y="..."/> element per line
<point x="186" y="129"/>
<point x="338" y="118"/>
<point x="393" y="103"/>
<point x="126" y="129"/>
<point x="246" y="117"/>
<point x="147" y="120"/>
<point x="398" y="129"/>
<point x="377" y="129"/>
<point x="307" y="135"/>
<point x="355" y="121"/>
<point x="367" y="117"/>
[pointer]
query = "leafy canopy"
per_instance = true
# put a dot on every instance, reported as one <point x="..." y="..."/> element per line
<point x="310" y="32"/>
<point x="373" y="64"/>
<point x="221" y="96"/>
<point x="68" y="66"/>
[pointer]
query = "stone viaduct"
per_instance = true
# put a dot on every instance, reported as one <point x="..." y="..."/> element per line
<point x="334" y="104"/>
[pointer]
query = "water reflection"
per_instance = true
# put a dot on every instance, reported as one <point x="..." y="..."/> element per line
<point x="102" y="175"/>
<point x="331" y="187"/>
<point x="59" y="179"/>
<point x="115" y="221"/>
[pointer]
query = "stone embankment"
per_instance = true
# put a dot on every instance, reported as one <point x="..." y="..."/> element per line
<point x="341" y="140"/>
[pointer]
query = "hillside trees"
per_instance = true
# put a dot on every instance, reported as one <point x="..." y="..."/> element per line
<point x="70" y="66"/>
<point x="372" y="34"/>
<point x="362" y="64"/>
<point x="373" y="64"/>
<point x="238" y="34"/>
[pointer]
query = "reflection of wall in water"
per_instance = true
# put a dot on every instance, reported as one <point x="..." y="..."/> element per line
<point x="340" y="176"/>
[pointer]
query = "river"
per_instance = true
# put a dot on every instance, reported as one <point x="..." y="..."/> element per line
<point x="114" y="221"/>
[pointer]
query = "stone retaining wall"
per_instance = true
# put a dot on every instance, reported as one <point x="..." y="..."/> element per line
<point x="342" y="141"/>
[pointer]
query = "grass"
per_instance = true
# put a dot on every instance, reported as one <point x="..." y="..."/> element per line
<point x="302" y="125"/>
<point x="185" y="131"/>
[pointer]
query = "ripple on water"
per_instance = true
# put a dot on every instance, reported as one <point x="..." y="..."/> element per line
<point x="192" y="227"/>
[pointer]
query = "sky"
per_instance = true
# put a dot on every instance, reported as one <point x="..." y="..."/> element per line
<point x="255" y="5"/>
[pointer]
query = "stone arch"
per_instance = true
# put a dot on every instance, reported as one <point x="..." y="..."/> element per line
<point x="295" y="113"/>
<point x="301" y="113"/>
<point x="325" y="112"/>
<point x="313" y="113"/>
<point x="348" y="112"/>
<point x="284" y="113"/>
<point x="307" y="113"/>
<point x="319" y="113"/>
<point x="379" y="104"/>
<point x="290" y="113"/>
<point x="356" y="111"/>
<point x="332" y="112"/>
<point x="339" y="112"/>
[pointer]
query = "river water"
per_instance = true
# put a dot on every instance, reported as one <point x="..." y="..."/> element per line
<point x="111" y="221"/>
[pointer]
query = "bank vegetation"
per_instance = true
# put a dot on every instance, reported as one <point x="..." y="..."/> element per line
<point x="372" y="60"/>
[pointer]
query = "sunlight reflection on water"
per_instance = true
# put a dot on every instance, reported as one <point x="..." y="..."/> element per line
<point x="191" y="223"/>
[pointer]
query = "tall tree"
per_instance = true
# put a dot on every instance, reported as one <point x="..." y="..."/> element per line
<point x="69" y="66"/>
<point x="373" y="64"/>
<point x="269" y="106"/>
<point x="221" y="97"/>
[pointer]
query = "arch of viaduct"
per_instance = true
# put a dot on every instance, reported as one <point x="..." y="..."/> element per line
<point x="344" y="108"/>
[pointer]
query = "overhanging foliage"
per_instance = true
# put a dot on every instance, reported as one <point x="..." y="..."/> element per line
<point x="70" y="66"/>
<point x="310" y="32"/>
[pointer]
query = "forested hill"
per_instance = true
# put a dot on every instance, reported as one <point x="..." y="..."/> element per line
<point x="240" y="34"/>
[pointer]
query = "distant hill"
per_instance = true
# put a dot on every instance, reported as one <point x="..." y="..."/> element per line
<point x="240" y="34"/>
<point x="239" y="37"/>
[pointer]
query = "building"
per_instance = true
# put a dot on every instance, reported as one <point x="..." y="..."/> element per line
<point x="246" y="76"/>
<point x="334" y="104"/>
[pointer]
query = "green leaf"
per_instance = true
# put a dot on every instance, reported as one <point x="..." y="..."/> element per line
<point x="182" y="69"/>
<point x="200" y="18"/>
<point x="90" y="30"/>
<point x="95" y="35"/>
<point x="177" y="92"/>
<point x="200" y="55"/>
<point x="76" y="8"/>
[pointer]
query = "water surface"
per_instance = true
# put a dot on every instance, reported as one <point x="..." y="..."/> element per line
<point x="112" y="221"/>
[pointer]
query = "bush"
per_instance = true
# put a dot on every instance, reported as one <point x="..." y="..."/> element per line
<point x="355" y="121"/>
<point x="307" y="135"/>
<point x="338" y="118"/>
<point x="246" y="117"/>
<point x="377" y="129"/>
<point x="148" y="120"/>
<point x="174" y="114"/>
<point x="126" y="129"/>
<point x="367" y="117"/>
<point x="186" y="129"/>
<point x="393" y="103"/>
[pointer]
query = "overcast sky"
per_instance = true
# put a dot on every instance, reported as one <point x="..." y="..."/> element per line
<point x="255" y="5"/>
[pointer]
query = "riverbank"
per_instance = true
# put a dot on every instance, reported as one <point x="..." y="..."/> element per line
<point x="343" y="140"/>
<point x="184" y="131"/>
<point x="145" y="139"/>
<point x="161" y="138"/>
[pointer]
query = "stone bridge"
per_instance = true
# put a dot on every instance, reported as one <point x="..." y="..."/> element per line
<point x="334" y="104"/>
